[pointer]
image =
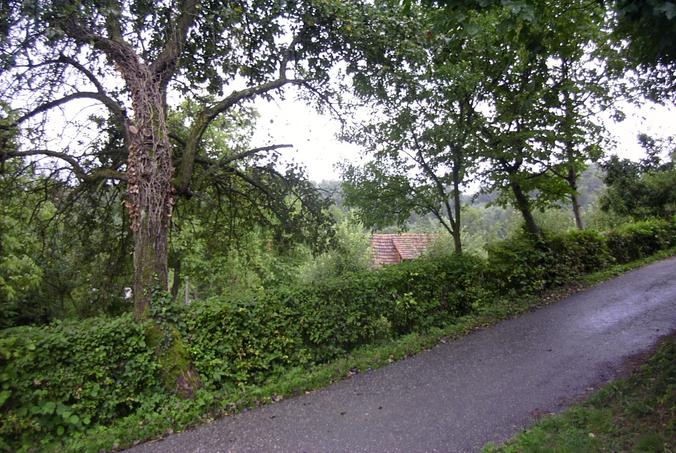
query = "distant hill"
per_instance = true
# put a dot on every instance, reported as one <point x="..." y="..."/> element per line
<point x="590" y="187"/>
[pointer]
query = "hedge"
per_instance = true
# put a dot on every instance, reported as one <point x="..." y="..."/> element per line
<point x="525" y="265"/>
<point x="66" y="377"/>
<point x="69" y="378"/>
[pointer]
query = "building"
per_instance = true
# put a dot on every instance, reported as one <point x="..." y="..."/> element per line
<point x="395" y="248"/>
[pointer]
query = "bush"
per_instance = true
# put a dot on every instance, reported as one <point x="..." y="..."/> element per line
<point x="70" y="379"/>
<point x="430" y="292"/>
<point x="526" y="265"/>
<point x="575" y="253"/>
<point x="518" y="265"/>
<point x="637" y="240"/>
<point x="343" y="312"/>
<point x="241" y="342"/>
<point x="61" y="379"/>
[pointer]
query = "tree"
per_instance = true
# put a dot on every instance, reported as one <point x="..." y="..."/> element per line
<point x="646" y="32"/>
<point x="422" y="137"/>
<point x="550" y="82"/>
<point x="20" y="275"/>
<point x="642" y="189"/>
<point x="269" y="207"/>
<point x="132" y="57"/>
<point x="579" y="59"/>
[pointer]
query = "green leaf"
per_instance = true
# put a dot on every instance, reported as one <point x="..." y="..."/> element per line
<point x="4" y="396"/>
<point x="48" y="408"/>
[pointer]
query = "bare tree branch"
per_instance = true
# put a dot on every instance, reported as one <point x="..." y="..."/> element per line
<point x="78" y="170"/>
<point x="206" y="116"/>
<point x="64" y="100"/>
<point x="253" y="152"/>
<point x="113" y="106"/>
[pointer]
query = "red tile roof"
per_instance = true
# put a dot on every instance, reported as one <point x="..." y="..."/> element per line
<point x="394" y="248"/>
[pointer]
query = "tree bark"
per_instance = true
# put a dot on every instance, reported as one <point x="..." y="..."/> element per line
<point x="176" y="284"/>
<point x="523" y="204"/>
<point x="571" y="177"/>
<point x="149" y="189"/>
<point x="572" y="181"/>
<point x="457" y="228"/>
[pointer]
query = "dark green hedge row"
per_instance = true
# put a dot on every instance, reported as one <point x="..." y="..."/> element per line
<point x="63" y="379"/>
<point x="522" y="265"/>
<point x="239" y="342"/>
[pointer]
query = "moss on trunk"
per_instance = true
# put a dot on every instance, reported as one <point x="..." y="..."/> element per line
<point x="178" y="373"/>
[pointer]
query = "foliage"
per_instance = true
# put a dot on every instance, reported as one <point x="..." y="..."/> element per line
<point x="350" y="253"/>
<point x="125" y="59"/>
<point x="20" y="275"/>
<point x="422" y="139"/>
<point x="647" y="32"/>
<point x="642" y="189"/>
<point x="526" y="264"/>
<point x="636" y="240"/>
<point x="237" y="342"/>
<point x="70" y="380"/>
<point x="538" y="135"/>
<point x="64" y="378"/>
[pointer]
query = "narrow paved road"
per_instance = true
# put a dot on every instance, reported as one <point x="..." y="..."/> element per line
<point x="458" y="396"/>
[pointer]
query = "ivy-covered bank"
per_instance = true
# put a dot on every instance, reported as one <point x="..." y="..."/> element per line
<point x="100" y="383"/>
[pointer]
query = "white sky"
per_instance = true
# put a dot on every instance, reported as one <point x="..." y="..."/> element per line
<point x="312" y="135"/>
<point x="317" y="148"/>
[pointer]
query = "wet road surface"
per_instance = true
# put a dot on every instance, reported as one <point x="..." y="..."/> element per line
<point x="459" y="395"/>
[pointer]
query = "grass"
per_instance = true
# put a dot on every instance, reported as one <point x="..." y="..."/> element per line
<point x="636" y="414"/>
<point x="180" y="414"/>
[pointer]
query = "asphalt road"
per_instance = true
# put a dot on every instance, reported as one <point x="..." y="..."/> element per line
<point x="459" y="395"/>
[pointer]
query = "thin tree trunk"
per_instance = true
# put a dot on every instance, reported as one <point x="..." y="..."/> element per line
<point x="176" y="283"/>
<point x="572" y="180"/>
<point x="523" y="204"/>
<point x="457" y="229"/>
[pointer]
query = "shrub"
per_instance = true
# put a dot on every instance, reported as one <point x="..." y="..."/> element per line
<point x="60" y="379"/>
<point x="432" y="291"/>
<point x="518" y="265"/>
<point x="69" y="379"/>
<point x="640" y="239"/>
<point x="525" y="265"/>
<point x="575" y="253"/>
<point x="241" y="342"/>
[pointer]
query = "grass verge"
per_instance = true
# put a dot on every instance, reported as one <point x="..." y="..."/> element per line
<point x="636" y="414"/>
<point x="178" y="414"/>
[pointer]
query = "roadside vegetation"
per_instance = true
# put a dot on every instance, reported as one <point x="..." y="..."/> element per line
<point x="159" y="266"/>
<point x="104" y="383"/>
<point x="634" y="414"/>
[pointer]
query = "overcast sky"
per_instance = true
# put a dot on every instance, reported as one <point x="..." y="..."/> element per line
<point x="316" y="146"/>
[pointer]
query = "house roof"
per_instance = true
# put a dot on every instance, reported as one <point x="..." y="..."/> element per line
<point x="394" y="248"/>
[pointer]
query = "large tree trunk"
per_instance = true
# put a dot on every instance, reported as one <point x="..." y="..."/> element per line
<point x="150" y="201"/>
<point x="149" y="198"/>
<point x="523" y="204"/>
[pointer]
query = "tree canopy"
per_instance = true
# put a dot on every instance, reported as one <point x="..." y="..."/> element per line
<point x="132" y="58"/>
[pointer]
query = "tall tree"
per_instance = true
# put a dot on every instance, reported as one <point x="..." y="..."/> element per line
<point x="132" y="57"/>
<point x="642" y="189"/>
<point x="580" y="55"/>
<point x="422" y="138"/>
<point x="541" y="130"/>
<point x="645" y="30"/>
